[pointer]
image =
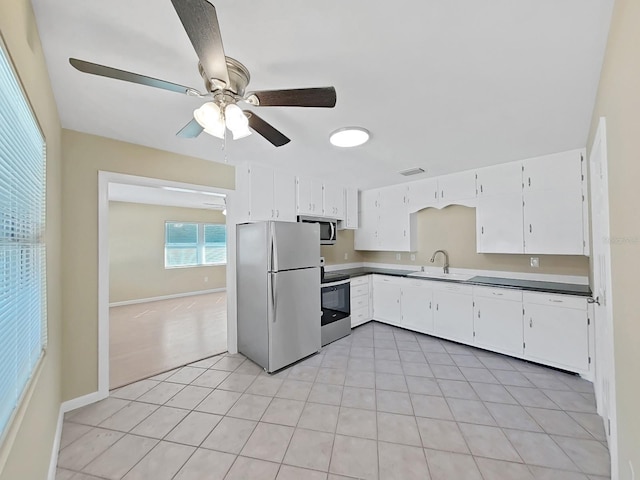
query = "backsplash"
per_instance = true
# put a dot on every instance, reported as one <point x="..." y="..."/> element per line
<point x="334" y="254"/>
<point x="454" y="229"/>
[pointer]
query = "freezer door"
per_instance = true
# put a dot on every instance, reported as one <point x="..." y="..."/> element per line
<point x="294" y="245"/>
<point x="294" y="320"/>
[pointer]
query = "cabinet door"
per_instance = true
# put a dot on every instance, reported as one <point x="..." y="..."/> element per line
<point x="261" y="193"/>
<point x="459" y="188"/>
<point x="558" y="171"/>
<point x="417" y="303"/>
<point x="553" y="222"/>
<point x="309" y="196"/>
<point x="351" y="208"/>
<point x="386" y="301"/>
<point x="499" y="220"/>
<point x="423" y="194"/>
<point x="393" y="198"/>
<point x="498" y="325"/>
<point x="284" y="197"/>
<point x="556" y="336"/>
<point x="499" y="179"/>
<point x="453" y="316"/>
<point x="333" y="201"/>
<point x="366" y="237"/>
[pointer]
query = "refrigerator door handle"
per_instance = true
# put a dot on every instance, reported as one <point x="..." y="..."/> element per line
<point x="274" y="249"/>
<point x="274" y="295"/>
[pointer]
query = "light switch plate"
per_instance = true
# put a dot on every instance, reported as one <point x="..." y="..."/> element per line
<point x="413" y="257"/>
<point x="346" y="256"/>
<point x="398" y="256"/>
<point x="535" y="262"/>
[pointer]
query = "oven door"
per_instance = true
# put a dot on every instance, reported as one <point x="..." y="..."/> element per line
<point x="336" y="302"/>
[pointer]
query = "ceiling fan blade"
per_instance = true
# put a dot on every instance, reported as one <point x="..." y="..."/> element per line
<point x="109" y="72"/>
<point x="200" y="21"/>
<point x="298" y="97"/>
<point x="190" y="130"/>
<point x="274" y="136"/>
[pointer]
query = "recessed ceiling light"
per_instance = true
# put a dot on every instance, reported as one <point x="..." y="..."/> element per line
<point x="349" y="136"/>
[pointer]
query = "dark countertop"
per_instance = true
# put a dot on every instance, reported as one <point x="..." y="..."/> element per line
<point x="529" y="285"/>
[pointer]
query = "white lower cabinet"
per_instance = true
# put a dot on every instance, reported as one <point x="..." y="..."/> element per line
<point x="360" y="300"/>
<point x="453" y="315"/>
<point x="497" y="320"/>
<point x="556" y="331"/>
<point x="417" y="306"/>
<point x="386" y="299"/>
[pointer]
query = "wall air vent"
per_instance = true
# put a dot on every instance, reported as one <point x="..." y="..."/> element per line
<point x="412" y="171"/>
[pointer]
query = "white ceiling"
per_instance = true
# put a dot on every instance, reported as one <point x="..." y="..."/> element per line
<point x="121" y="192"/>
<point x="446" y="85"/>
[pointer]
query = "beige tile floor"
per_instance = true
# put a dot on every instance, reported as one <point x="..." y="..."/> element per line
<point x="152" y="337"/>
<point x="383" y="403"/>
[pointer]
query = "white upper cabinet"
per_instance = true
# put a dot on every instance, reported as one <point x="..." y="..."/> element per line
<point x="423" y="194"/>
<point x="265" y="194"/>
<point x="396" y="228"/>
<point x="333" y="201"/>
<point x="351" y="209"/>
<point x="284" y="196"/>
<point x="458" y="188"/>
<point x="366" y="236"/>
<point x="553" y="204"/>
<point x="309" y="196"/>
<point x="499" y="215"/>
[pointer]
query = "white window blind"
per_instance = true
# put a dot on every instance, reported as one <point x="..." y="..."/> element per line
<point x="23" y="330"/>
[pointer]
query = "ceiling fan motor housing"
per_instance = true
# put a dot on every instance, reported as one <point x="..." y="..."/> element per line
<point x="238" y="77"/>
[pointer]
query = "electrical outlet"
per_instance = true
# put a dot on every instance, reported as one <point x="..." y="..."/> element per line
<point x="206" y="279"/>
<point x="346" y="256"/>
<point x="535" y="262"/>
<point x="398" y="256"/>
<point x="413" y="257"/>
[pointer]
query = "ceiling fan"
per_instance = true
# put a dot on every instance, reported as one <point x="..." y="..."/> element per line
<point x="225" y="81"/>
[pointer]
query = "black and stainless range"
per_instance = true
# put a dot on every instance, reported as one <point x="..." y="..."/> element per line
<point x="336" y="307"/>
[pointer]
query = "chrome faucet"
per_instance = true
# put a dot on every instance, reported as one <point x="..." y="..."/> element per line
<point x="445" y="267"/>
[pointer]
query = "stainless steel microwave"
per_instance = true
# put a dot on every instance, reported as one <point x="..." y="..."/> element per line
<point x="328" y="228"/>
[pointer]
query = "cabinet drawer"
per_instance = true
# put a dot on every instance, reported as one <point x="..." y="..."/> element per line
<point x="360" y="316"/>
<point x="359" y="302"/>
<point x="357" y="290"/>
<point x="498" y="293"/>
<point x="387" y="279"/>
<point x="452" y="287"/>
<point x="563" y="301"/>
<point x="360" y="281"/>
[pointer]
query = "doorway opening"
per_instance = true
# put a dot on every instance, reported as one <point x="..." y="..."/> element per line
<point x="163" y="277"/>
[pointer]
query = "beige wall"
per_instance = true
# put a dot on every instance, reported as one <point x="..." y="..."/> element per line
<point x="619" y="101"/>
<point x="334" y="254"/>
<point x="454" y="230"/>
<point x="83" y="156"/>
<point x="136" y="253"/>
<point x="26" y="451"/>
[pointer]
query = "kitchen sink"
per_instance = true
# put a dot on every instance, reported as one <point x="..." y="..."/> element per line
<point x="461" y="277"/>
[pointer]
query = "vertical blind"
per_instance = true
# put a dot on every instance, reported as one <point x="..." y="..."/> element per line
<point x="22" y="251"/>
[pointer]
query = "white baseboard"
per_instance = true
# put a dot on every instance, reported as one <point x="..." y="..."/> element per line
<point x="64" y="408"/>
<point x="166" y="297"/>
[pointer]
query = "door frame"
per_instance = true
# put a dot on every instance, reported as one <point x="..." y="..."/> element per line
<point x="106" y="178"/>
<point x="603" y="312"/>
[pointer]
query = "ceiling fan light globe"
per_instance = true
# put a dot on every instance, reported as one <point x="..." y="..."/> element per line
<point x="234" y="117"/>
<point x="207" y="115"/>
<point x="241" y="132"/>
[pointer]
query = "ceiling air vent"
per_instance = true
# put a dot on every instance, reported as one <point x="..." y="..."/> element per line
<point x="412" y="171"/>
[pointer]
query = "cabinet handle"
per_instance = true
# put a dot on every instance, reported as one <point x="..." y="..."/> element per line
<point x="498" y="294"/>
<point x="480" y="188"/>
<point x="478" y="313"/>
<point x="437" y="306"/>
<point x="531" y="323"/>
<point x="272" y="213"/>
<point x="530" y="229"/>
<point x="556" y="301"/>
<point x="435" y="194"/>
<point x="442" y="194"/>
<point x="429" y="305"/>
<point x="482" y="230"/>
<point x="529" y="181"/>
<point x="277" y="213"/>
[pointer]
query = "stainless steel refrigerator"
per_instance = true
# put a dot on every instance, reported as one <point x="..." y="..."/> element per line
<point x="278" y="288"/>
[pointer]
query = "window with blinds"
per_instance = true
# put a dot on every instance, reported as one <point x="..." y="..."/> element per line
<point x="194" y="244"/>
<point x="23" y="327"/>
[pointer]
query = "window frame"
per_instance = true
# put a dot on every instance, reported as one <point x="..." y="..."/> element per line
<point x="200" y="245"/>
<point x="8" y="430"/>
